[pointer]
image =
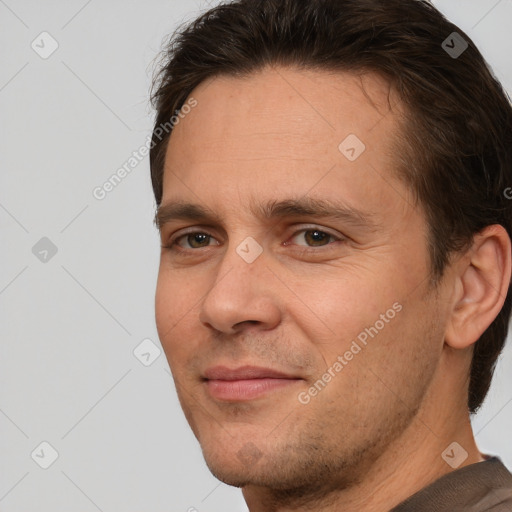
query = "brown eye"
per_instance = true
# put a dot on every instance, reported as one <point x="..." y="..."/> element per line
<point x="198" y="240"/>
<point x="194" y="240"/>
<point x="316" y="237"/>
<point x="313" y="238"/>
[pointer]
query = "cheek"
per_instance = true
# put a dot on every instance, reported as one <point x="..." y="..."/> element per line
<point x="174" y="309"/>
<point x="165" y="304"/>
<point x="340" y="308"/>
<point x="177" y="291"/>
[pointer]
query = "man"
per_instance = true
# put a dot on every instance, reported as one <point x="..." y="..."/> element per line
<point x="334" y="286"/>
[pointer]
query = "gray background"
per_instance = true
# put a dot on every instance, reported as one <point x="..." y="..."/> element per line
<point x="70" y="323"/>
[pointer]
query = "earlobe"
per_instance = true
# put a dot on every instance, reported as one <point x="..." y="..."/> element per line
<point x="482" y="284"/>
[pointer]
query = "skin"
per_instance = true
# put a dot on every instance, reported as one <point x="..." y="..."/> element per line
<point x="375" y="433"/>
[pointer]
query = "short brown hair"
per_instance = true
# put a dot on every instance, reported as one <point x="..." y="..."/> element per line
<point x="457" y="136"/>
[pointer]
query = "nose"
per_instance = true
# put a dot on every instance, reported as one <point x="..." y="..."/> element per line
<point x="242" y="296"/>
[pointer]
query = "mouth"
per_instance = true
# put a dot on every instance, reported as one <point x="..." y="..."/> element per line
<point x="245" y="383"/>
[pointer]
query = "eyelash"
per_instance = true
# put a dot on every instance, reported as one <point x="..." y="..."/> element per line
<point x="173" y="243"/>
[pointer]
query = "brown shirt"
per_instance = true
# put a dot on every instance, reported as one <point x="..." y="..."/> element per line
<point x="482" y="487"/>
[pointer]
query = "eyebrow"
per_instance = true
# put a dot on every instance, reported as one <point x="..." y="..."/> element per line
<point x="273" y="209"/>
<point x="179" y="210"/>
<point x="314" y="208"/>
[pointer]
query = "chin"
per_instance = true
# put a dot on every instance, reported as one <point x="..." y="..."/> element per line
<point x="232" y="472"/>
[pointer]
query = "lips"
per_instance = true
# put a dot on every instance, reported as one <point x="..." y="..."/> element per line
<point x="246" y="382"/>
<point x="244" y="373"/>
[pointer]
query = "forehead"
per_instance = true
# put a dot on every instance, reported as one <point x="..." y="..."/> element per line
<point x="287" y="102"/>
<point x="286" y="129"/>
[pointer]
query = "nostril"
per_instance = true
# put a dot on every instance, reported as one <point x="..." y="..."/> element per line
<point x="245" y="323"/>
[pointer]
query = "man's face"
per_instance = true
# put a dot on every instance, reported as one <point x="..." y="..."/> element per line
<point x="302" y="341"/>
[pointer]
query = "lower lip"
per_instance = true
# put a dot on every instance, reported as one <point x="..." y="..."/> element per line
<point x="238" y="390"/>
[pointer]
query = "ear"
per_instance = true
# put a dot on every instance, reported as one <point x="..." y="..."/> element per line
<point x="481" y="285"/>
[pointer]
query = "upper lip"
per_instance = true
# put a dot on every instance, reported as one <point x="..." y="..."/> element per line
<point x="244" y="373"/>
